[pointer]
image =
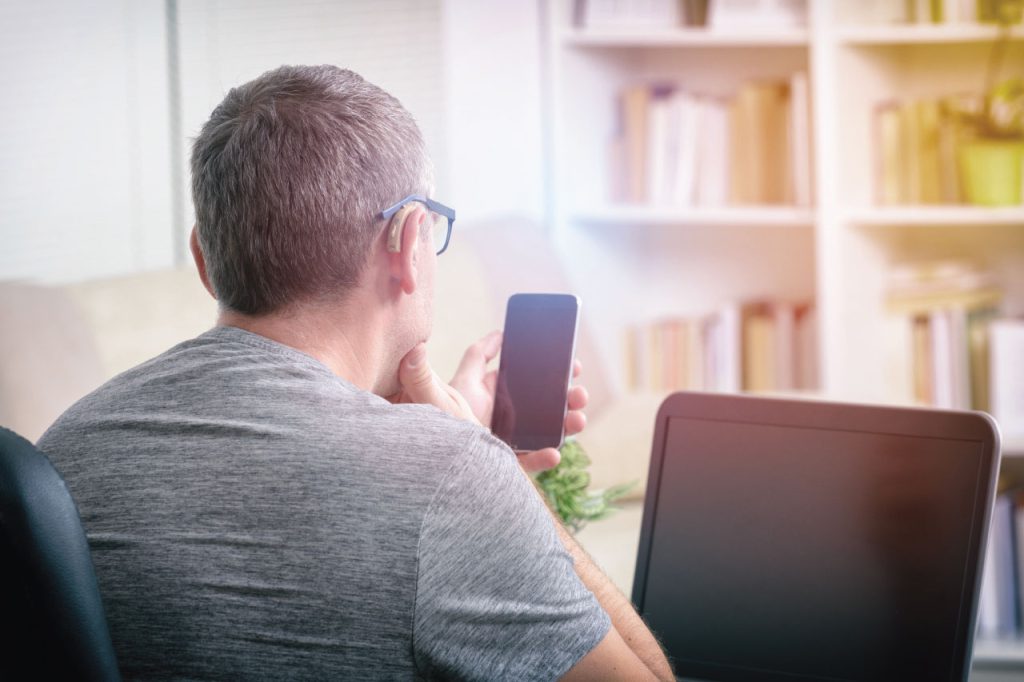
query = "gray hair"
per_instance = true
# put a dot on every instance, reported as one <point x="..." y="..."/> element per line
<point x="289" y="177"/>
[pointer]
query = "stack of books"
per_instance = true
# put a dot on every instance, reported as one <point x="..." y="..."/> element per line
<point x="754" y="346"/>
<point x="916" y="146"/>
<point x="679" y="148"/>
<point x="949" y="307"/>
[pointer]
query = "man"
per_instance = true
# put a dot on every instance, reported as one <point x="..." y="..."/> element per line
<point x="256" y="507"/>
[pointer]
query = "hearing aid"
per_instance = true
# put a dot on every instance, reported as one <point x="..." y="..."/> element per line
<point x="395" y="228"/>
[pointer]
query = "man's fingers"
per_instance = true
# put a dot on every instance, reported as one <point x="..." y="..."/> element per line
<point x="577" y="367"/>
<point x="475" y="359"/>
<point x="417" y="378"/>
<point x="539" y="460"/>
<point x="578" y="398"/>
<point x="575" y="421"/>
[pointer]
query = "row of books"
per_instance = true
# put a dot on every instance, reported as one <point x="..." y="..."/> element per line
<point x="754" y="346"/>
<point x="916" y="147"/>
<point x="679" y="148"/>
<point x="937" y="11"/>
<point x="1001" y="603"/>
<point x="654" y="14"/>
<point x="949" y="306"/>
<point x="963" y="353"/>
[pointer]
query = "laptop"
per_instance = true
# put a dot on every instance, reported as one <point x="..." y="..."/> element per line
<point x="795" y="540"/>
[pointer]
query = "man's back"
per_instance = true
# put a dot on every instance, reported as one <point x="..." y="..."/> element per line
<point x="253" y="515"/>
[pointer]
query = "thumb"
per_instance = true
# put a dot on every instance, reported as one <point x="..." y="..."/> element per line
<point x="417" y="378"/>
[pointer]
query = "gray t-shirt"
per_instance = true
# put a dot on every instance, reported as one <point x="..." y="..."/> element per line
<point x="252" y="515"/>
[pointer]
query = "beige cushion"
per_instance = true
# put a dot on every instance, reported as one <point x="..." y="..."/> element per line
<point x="48" y="358"/>
<point x="137" y="317"/>
<point x="59" y="344"/>
<point x="619" y="441"/>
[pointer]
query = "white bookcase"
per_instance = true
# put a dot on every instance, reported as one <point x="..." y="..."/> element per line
<point x="643" y="262"/>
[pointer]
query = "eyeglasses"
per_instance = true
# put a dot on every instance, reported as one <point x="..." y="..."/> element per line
<point x="443" y="218"/>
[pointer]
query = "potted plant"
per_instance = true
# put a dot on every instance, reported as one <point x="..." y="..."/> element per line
<point x="991" y="159"/>
<point x="565" y="488"/>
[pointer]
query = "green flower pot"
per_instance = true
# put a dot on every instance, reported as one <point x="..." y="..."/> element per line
<point x="992" y="172"/>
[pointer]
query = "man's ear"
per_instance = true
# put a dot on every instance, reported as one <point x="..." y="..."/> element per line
<point x="197" y="256"/>
<point x="404" y="233"/>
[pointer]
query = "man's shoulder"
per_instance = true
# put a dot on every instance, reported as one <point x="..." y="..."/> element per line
<point x="254" y="396"/>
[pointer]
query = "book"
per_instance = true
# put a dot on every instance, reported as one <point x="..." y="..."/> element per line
<point x="921" y="355"/>
<point x="888" y="173"/>
<point x="799" y="139"/>
<point x="1006" y="377"/>
<point x="635" y="102"/>
<point x="686" y="112"/>
<point x="662" y="143"/>
<point x="910" y="154"/>
<point x="713" y="153"/>
<point x="1001" y="555"/>
<point x="760" y="140"/>
<point x="927" y="119"/>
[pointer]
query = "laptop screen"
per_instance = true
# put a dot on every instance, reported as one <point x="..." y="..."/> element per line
<point x="793" y="552"/>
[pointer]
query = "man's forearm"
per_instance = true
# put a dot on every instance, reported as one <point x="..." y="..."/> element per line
<point x="624" y="617"/>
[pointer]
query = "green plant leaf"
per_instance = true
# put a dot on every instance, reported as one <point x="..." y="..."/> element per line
<point x="566" y="485"/>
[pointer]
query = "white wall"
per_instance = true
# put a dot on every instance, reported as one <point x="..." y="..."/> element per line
<point x="84" y="149"/>
<point x="493" y="108"/>
<point x="85" y="142"/>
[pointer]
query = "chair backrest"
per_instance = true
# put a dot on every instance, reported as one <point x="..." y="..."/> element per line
<point x="52" y="622"/>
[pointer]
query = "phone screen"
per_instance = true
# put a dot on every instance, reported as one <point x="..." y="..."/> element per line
<point x="536" y="366"/>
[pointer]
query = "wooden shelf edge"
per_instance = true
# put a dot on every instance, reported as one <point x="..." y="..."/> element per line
<point x="910" y="216"/>
<point x="922" y="34"/>
<point x="685" y="37"/>
<point x="738" y="216"/>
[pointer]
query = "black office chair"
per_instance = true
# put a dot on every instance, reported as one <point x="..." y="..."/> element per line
<point x="52" y="624"/>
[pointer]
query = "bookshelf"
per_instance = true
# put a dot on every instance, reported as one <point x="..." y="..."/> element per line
<point x="646" y="262"/>
<point x="682" y="37"/>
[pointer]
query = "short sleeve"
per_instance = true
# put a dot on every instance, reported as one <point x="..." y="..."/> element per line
<point x="497" y="594"/>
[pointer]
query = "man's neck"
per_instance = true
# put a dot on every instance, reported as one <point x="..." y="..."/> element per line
<point x="350" y="350"/>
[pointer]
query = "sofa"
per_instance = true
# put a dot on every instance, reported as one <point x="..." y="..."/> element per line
<point x="57" y="343"/>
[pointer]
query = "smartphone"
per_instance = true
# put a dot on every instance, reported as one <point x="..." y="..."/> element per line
<point x="535" y="370"/>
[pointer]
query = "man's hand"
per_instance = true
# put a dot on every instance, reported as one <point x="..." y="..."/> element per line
<point x="477" y="383"/>
<point x="420" y="384"/>
<point x="470" y="395"/>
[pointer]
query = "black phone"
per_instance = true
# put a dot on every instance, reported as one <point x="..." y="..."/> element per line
<point x="537" y="353"/>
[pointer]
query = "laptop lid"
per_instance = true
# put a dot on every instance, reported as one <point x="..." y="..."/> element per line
<point x="793" y="540"/>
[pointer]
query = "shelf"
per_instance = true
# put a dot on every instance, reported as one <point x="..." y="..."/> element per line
<point x="1013" y="447"/>
<point x="684" y="37"/>
<point x="703" y="216"/>
<point x="939" y="216"/>
<point x="998" y="651"/>
<point x="922" y="34"/>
